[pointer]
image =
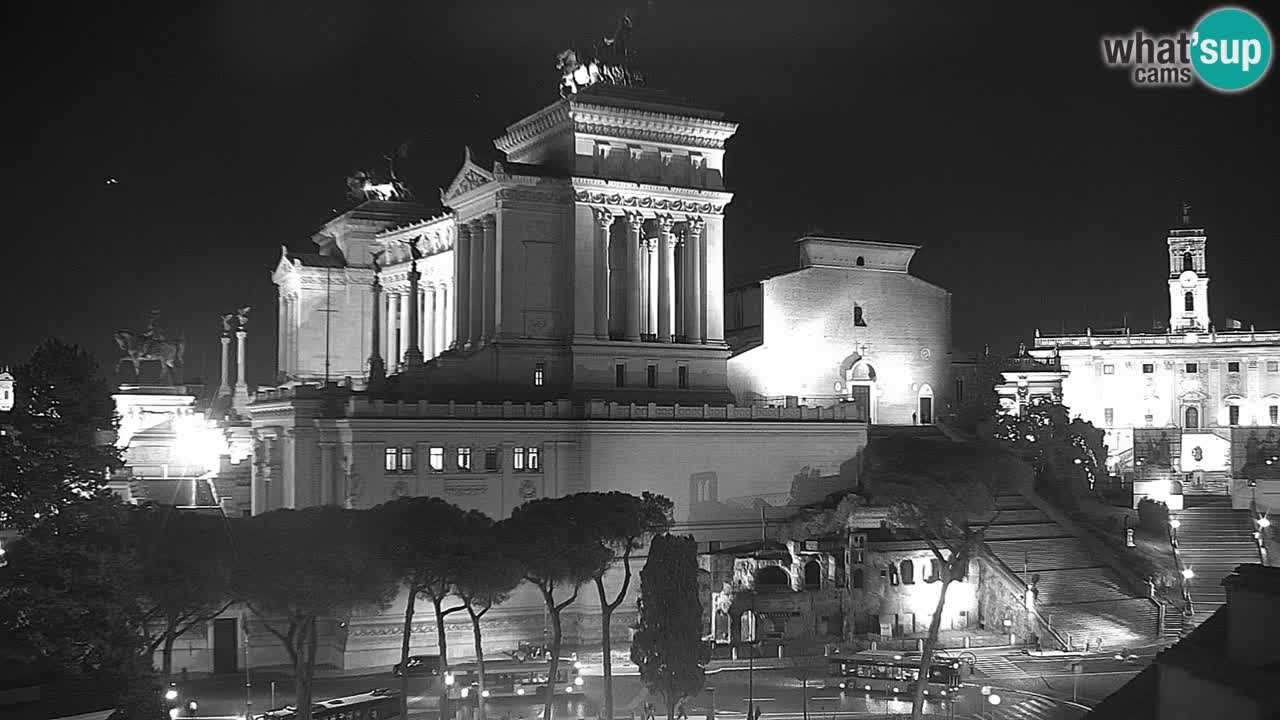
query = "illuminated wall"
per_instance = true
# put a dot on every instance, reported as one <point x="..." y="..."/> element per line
<point x="834" y="325"/>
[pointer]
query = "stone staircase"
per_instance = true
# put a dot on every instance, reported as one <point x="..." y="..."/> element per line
<point x="1080" y="595"/>
<point x="1213" y="541"/>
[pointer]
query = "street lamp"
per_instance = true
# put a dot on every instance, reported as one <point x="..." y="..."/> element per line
<point x="1188" y="573"/>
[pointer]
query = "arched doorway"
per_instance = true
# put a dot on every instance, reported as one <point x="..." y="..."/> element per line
<point x="925" y="403"/>
<point x="1192" y="418"/>
<point x="813" y="574"/>
<point x="861" y="379"/>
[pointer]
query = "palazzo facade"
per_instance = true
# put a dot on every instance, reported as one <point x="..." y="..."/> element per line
<point x="1193" y="409"/>
<point x="558" y="328"/>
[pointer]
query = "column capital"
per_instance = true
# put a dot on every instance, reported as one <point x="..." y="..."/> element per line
<point x="635" y="220"/>
<point x="696" y="223"/>
<point x="604" y="217"/>
<point x="666" y="223"/>
<point x="489" y="222"/>
<point x="242" y="334"/>
<point x="464" y="230"/>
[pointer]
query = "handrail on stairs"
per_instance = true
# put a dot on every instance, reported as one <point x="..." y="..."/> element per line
<point x="1012" y="577"/>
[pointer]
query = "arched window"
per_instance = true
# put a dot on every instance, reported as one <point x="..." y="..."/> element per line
<point x="858" y="319"/>
<point x="858" y="580"/>
<point x="934" y="574"/>
<point x="772" y="577"/>
<point x="1193" y="418"/>
<point x="1188" y="302"/>
<point x="1188" y="263"/>
<point x="908" y="573"/>
<point x="813" y="574"/>
<point x="861" y="261"/>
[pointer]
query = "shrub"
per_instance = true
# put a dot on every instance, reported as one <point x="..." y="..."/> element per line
<point x="1153" y="516"/>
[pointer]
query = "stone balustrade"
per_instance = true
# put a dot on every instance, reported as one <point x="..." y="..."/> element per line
<point x="1121" y="339"/>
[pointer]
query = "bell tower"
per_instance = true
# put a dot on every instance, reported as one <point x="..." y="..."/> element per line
<point x="1188" y="277"/>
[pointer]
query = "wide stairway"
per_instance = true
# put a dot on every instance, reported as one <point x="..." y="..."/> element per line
<point x="1078" y="594"/>
<point x="1213" y="541"/>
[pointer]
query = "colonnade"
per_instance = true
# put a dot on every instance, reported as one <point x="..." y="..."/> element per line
<point x="664" y="278"/>
<point x="435" y="329"/>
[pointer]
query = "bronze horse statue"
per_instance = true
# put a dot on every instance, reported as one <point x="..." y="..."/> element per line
<point x="138" y="348"/>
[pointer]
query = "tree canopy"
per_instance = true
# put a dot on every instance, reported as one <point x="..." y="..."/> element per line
<point x="667" y="646"/>
<point x="59" y="448"/>
<point x="1067" y="455"/>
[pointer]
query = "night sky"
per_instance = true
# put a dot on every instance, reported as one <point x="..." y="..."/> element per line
<point x="1039" y="182"/>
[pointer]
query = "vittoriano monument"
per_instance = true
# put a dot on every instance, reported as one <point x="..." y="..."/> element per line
<point x="152" y="344"/>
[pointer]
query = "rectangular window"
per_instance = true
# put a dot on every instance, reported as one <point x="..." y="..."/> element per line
<point x="682" y="377"/>
<point x="1148" y="419"/>
<point x="435" y="457"/>
<point x="1193" y="368"/>
<point x="651" y="375"/>
<point x="464" y="458"/>
<point x="1108" y="369"/>
<point x="1233" y="414"/>
<point x="1109" y="417"/>
<point x="390" y="459"/>
<point x="857" y="557"/>
<point x="959" y="390"/>
<point x="1233" y="367"/>
<point x="533" y="459"/>
<point x="491" y="459"/>
<point x="620" y="374"/>
<point x="538" y="371"/>
<point x="517" y="459"/>
<point x="406" y="459"/>
<point x="1273" y="366"/>
<point x="1148" y="368"/>
<point x="1274" y="413"/>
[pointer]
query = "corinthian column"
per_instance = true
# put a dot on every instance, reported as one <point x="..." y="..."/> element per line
<point x="634" y="224"/>
<point x="403" y="315"/>
<point x="393" y="329"/>
<point x="377" y="370"/>
<point x="413" y="353"/>
<point x="430" y="348"/>
<point x="475" y="321"/>
<point x="604" y="221"/>
<point x="694" y="301"/>
<point x="492" y="293"/>
<point x="224" y="389"/>
<point x="241" y="399"/>
<point x="666" y="278"/>
<point x="462" y="281"/>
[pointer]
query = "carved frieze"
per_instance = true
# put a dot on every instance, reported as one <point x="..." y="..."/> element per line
<point x="647" y="202"/>
<point x="463" y="487"/>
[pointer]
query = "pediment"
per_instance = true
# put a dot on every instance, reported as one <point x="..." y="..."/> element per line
<point x="469" y="177"/>
<point x="283" y="267"/>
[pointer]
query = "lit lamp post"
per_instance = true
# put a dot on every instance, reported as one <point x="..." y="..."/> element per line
<point x="1174" y="524"/>
<point x="1263" y="523"/>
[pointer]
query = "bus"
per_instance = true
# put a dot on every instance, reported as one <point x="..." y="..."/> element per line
<point x="511" y="678"/>
<point x="892" y="673"/>
<point x="379" y="704"/>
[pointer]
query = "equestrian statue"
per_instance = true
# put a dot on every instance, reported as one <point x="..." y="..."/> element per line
<point x="151" y="344"/>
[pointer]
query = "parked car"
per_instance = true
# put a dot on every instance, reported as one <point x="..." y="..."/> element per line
<point x="428" y="665"/>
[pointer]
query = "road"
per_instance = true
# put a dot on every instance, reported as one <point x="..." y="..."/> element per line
<point x="1030" y="688"/>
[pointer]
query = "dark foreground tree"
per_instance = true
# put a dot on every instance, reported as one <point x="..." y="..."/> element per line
<point x="1067" y="455"/>
<point x="305" y="565"/>
<point x="185" y="563"/>
<point x="486" y="577"/>
<point x="944" y="493"/>
<point x="425" y="540"/>
<point x="668" y="643"/>
<point x="68" y="597"/>
<point x="621" y="522"/>
<point x="61" y="443"/>
<point x="558" y="554"/>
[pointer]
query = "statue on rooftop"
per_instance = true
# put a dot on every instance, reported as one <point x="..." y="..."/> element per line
<point x="242" y="318"/>
<point x="608" y="63"/>
<point x="151" y="345"/>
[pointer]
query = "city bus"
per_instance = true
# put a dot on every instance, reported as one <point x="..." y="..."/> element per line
<point x="511" y="678"/>
<point x="892" y="673"/>
<point x="379" y="704"/>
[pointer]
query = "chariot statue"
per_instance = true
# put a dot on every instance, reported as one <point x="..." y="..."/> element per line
<point x="151" y="345"/>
